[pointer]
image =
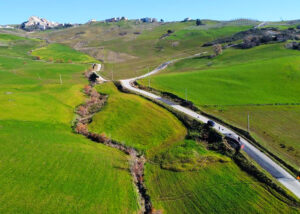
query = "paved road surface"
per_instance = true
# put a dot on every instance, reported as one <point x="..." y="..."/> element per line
<point x="261" y="24"/>
<point x="269" y="165"/>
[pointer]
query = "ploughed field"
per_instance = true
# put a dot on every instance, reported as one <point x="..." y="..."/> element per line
<point x="262" y="81"/>
<point x="45" y="167"/>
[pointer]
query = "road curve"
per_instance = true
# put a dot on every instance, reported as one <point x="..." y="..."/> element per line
<point x="263" y="160"/>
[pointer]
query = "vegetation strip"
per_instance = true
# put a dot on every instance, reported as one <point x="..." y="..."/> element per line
<point x="85" y="112"/>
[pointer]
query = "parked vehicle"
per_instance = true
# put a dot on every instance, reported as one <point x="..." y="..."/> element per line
<point x="211" y="123"/>
<point x="234" y="141"/>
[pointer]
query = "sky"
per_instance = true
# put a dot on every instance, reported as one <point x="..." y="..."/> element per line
<point x="80" y="11"/>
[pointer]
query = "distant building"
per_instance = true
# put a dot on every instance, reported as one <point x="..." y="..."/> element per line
<point x="146" y="20"/>
<point x="187" y="19"/>
<point x="149" y="20"/>
<point x="92" y="21"/>
<point x="117" y="19"/>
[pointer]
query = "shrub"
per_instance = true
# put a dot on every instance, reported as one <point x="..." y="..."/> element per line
<point x="99" y="138"/>
<point x="82" y="111"/>
<point x="87" y="89"/>
<point x="59" y="61"/>
<point x="218" y="49"/>
<point x="81" y="129"/>
<point x="94" y="94"/>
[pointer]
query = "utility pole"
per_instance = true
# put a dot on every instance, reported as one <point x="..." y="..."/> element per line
<point x="186" y="91"/>
<point x="60" y="79"/>
<point x="248" y="122"/>
<point x="112" y="73"/>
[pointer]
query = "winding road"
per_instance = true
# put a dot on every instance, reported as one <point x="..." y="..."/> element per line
<point x="263" y="160"/>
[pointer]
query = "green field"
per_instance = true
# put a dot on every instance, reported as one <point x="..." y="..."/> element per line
<point x="221" y="188"/>
<point x="45" y="168"/>
<point x="228" y="86"/>
<point x="62" y="53"/>
<point x="136" y="122"/>
<point x="275" y="127"/>
<point x="129" y="48"/>
<point x="181" y="176"/>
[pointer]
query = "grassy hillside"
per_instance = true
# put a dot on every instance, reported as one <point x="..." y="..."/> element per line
<point x="275" y="127"/>
<point x="45" y="168"/>
<point x="267" y="74"/>
<point x="257" y="76"/>
<point x="182" y="176"/>
<point x="129" y="48"/>
<point x="62" y="53"/>
<point x="15" y="46"/>
<point x="136" y="122"/>
<point x="221" y="188"/>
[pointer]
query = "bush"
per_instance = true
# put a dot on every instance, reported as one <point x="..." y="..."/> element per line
<point x="82" y="111"/>
<point x="81" y="129"/>
<point x="59" y="61"/>
<point x="218" y="49"/>
<point x="87" y="89"/>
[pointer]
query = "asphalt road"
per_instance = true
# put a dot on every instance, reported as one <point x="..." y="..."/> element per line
<point x="264" y="161"/>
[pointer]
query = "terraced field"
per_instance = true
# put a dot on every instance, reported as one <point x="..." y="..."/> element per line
<point x="45" y="168"/>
